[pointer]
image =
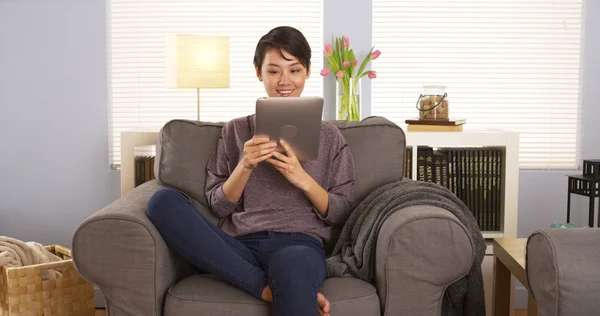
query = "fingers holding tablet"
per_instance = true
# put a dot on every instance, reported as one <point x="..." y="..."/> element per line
<point x="257" y="149"/>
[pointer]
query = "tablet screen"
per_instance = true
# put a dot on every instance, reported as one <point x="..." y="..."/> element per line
<point x="295" y="119"/>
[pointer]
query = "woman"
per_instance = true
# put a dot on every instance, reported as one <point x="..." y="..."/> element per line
<point x="275" y="211"/>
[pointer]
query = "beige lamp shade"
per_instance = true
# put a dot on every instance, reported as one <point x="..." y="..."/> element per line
<point x="197" y="61"/>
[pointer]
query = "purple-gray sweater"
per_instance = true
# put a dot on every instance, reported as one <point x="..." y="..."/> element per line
<point x="269" y="201"/>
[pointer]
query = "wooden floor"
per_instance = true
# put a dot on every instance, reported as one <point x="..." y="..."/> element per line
<point x="518" y="312"/>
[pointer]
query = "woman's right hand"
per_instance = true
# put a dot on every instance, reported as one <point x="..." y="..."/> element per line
<point x="257" y="149"/>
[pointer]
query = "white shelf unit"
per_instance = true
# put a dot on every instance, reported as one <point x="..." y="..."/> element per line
<point x="506" y="141"/>
<point x="130" y="140"/>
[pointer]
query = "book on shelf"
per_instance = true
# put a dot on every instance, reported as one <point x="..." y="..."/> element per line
<point x="450" y="125"/>
<point x="144" y="163"/>
<point x="433" y="128"/>
<point x="472" y="174"/>
<point x="144" y="169"/>
<point x="408" y="163"/>
<point x="449" y="122"/>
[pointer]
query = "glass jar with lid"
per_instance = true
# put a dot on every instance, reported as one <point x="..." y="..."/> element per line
<point x="433" y="103"/>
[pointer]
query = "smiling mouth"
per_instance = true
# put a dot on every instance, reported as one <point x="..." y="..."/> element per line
<point x="285" y="93"/>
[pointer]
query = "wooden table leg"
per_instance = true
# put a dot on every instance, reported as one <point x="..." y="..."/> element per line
<point x="531" y="305"/>
<point x="502" y="289"/>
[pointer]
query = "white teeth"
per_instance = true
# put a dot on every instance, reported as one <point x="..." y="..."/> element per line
<point x="285" y="91"/>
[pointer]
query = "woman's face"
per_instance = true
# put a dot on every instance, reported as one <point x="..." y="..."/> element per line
<point x="281" y="77"/>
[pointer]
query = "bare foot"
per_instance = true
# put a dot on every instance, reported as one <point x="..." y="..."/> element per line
<point x="324" y="307"/>
<point x="267" y="295"/>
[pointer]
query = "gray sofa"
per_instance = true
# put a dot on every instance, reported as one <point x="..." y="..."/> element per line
<point x="420" y="250"/>
<point x="563" y="271"/>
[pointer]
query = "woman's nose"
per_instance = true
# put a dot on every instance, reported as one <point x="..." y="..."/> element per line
<point x="284" y="78"/>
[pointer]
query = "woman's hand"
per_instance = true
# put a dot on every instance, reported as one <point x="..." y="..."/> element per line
<point x="289" y="166"/>
<point x="257" y="149"/>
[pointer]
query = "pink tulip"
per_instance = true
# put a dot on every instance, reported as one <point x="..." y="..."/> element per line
<point x="339" y="74"/>
<point x="346" y="64"/>
<point x="375" y="54"/>
<point x="372" y="74"/>
<point x="346" y="42"/>
<point x="325" y="72"/>
<point x="328" y="51"/>
<point x="355" y="62"/>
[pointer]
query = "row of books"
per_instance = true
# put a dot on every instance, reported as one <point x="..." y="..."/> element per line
<point x="473" y="174"/>
<point x="144" y="169"/>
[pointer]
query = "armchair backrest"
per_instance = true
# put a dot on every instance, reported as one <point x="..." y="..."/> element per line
<point x="184" y="147"/>
<point x="378" y="147"/>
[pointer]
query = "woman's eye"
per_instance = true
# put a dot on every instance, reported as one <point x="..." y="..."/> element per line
<point x="295" y="71"/>
<point x="273" y="72"/>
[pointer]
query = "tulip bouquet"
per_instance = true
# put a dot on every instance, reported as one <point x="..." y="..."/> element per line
<point x="342" y="62"/>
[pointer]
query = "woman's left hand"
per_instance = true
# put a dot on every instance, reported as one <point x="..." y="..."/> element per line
<point x="289" y="166"/>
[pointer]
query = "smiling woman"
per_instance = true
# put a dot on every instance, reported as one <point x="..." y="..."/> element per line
<point x="282" y="62"/>
<point x="283" y="75"/>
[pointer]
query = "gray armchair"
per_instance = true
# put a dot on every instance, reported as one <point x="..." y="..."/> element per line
<point x="420" y="251"/>
<point x="563" y="271"/>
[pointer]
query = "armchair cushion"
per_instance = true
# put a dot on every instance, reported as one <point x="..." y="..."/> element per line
<point x="203" y="292"/>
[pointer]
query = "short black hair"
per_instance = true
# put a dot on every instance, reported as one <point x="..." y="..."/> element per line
<point x="283" y="38"/>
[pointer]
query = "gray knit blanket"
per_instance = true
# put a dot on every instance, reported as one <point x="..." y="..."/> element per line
<point x="354" y="252"/>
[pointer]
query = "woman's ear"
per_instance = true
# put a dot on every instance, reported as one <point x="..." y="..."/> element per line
<point x="258" y="73"/>
<point x="308" y="72"/>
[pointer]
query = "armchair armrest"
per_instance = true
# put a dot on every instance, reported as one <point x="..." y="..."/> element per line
<point x="420" y="252"/>
<point x="120" y="250"/>
<point x="562" y="270"/>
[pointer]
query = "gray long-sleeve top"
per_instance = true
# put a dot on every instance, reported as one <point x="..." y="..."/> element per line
<point x="269" y="201"/>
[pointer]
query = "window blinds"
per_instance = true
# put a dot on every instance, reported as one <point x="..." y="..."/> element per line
<point x="138" y="29"/>
<point x="507" y="64"/>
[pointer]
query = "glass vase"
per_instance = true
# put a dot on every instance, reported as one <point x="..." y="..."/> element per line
<point x="348" y="99"/>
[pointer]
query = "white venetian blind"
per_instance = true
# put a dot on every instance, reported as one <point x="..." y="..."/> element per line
<point x="138" y="29"/>
<point x="507" y="64"/>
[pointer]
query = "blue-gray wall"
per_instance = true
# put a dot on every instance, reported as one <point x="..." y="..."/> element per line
<point x="54" y="167"/>
<point x="54" y="121"/>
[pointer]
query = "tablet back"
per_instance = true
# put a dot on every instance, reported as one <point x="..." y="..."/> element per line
<point x="295" y="119"/>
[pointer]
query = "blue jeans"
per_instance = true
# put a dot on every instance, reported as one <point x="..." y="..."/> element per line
<point x="292" y="264"/>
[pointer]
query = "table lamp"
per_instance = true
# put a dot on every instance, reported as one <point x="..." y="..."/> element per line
<point x="197" y="62"/>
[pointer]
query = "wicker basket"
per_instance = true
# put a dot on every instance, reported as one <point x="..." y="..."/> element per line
<point x="23" y="293"/>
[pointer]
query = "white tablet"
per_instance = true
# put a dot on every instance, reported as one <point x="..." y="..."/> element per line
<point x="295" y="119"/>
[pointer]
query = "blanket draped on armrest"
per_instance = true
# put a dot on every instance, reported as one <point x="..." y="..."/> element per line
<point x="354" y="252"/>
<point x="16" y="253"/>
